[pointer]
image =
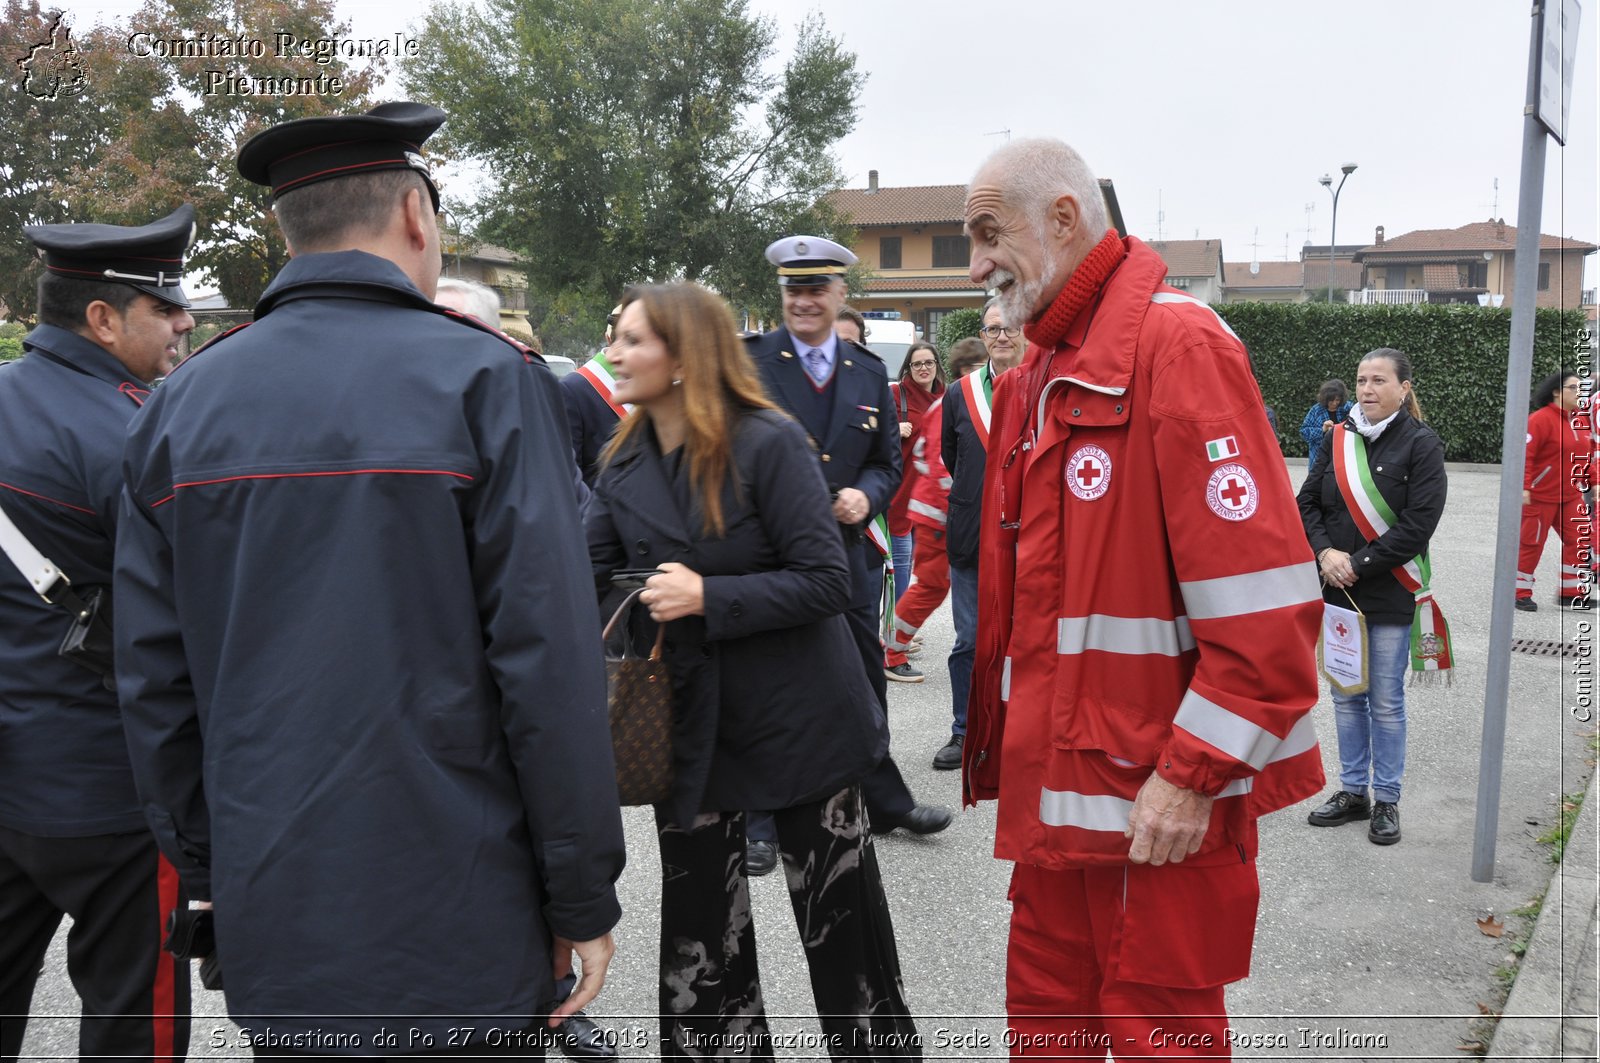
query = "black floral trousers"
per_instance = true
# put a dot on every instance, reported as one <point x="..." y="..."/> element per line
<point x="711" y="1006"/>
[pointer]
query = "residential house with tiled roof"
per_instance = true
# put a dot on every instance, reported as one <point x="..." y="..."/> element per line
<point x="1473" y="264"/>
<point x="910" y="239"/>
<point x="498" y="268"/>
<point x="1193" y="266"/>
<point x="1264" y="282"/>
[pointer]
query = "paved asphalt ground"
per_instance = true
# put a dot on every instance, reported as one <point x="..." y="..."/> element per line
<point x="1362" y="952"/>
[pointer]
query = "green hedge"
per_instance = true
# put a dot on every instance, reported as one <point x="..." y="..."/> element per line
<point x="957" y="326"/>
<point x="1458" y="354"/>
<point x="10" y="348"/>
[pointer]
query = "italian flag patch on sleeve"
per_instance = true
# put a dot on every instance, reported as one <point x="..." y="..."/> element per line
<point x="1221" y="449"/>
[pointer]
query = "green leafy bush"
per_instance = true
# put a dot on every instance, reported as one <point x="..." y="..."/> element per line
<point x="10" y="348"/>
<point x="957" y="326"/>
<point x="1458" y="354"/>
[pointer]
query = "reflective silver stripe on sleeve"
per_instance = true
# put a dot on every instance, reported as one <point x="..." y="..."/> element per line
<point x="927" y="511"/>
<point x="1231" y="733"/>
<point x="1301" y="737"/>
<point x="1174" y="297"/>
<point x="1005" y="681"/>
<point x="1238" y="787"/>
<point x="1068" y="808"/>
<point x="1123" y="634"/>
<point x="1251" y="592"/>
<point x="945" y="483"/>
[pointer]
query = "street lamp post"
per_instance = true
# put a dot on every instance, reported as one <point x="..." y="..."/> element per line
<point x="1333" y="234"/>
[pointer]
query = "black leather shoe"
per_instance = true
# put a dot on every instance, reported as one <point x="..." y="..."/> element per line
<point x="1527" y="605"/>
<point x="760" y="858"/>
<point x="922" y="819"/>
<point x="1342" y="807"/>
<point x="949" y="756"/>
<point x="1385" y="828"/>
<point x="580" y="1038"/>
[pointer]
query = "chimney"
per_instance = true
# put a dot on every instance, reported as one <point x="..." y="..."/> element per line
<point x="872" y="180"/>
<point x="1379" y="236"/>
<point x="1500" y="229"/>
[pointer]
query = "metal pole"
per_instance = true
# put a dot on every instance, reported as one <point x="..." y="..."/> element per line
<point x="1333" y="237"/>
<point x="1519" y="370"/>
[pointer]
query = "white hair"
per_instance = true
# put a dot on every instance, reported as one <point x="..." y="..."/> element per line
<point x="473" y="298"/>
<point x="1033" y="173"/>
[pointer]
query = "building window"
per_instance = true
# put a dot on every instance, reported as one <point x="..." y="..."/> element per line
<point x="950" y="252"/>
<point x="888" y="252"/>
<point x="1180" y="283"/>
<point x="1544" y="276"/>
<point x="930" y="326"/>
<point x="1477" y="275"/>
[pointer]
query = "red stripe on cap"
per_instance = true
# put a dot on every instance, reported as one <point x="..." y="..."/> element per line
<point x="340" y="169"/>
<point x="336" y="144"/>
<point x="46" y="498"/>
<point x="163" y="993"/>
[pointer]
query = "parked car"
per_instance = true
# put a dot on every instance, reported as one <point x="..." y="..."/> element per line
<point x="890" y="339"/>
<point x="560" y="366"/>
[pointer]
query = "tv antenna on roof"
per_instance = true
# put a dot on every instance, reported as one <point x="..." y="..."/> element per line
<point x="1001" y="133"/>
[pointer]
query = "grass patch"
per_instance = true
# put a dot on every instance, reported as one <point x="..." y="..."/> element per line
<point x="1556" y="837"/>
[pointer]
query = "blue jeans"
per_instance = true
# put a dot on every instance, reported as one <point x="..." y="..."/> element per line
<point x="964" y="608"/>
<point x="1372" y="726"/>
<point x="901" y="546"/>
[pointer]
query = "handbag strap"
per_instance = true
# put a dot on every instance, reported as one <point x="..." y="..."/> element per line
<point x="616" y="617"/>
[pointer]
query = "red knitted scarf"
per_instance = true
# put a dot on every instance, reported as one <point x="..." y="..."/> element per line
<point x="1081" y="289"/>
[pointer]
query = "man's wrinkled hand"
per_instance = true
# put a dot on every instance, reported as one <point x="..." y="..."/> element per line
<point x="851" y="506"/>
<point x="1167" y="823"/>
<point x="594" y="956"/>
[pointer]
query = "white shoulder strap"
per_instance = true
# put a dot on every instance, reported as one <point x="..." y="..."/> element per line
<point x="34" y="566"/>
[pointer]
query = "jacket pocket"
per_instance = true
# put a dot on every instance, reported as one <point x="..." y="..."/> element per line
<point x="1188" y="927"/>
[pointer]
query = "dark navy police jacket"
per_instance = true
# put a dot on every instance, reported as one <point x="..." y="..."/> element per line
<point x="350" y="599"/>
<point x="590" y="419"/>
<point x="858" y="443"/>
<point x="64" y="412"/>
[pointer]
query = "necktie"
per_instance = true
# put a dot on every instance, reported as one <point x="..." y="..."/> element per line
<point x="816" y="364"/>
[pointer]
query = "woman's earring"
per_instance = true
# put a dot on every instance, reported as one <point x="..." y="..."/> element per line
<point x="676" y="381"/>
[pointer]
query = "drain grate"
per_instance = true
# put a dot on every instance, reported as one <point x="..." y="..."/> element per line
<point x="1544" y="647"/>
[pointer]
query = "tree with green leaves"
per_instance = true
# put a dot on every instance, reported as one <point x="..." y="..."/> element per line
<point x="627" y="140"/>
<point x="142" y="133"/>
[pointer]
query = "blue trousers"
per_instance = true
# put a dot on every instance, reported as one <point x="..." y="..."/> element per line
<point x="1372" y="726"/>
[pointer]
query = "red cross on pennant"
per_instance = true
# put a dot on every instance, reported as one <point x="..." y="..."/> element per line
<point x="1341" y="629"/>
<point x="1088" y="473"/>
<point x="1234" y="492"/>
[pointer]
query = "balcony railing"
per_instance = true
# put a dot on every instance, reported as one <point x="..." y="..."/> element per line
<point x="1588" y="297"/>
<point x="1388" y="296"/>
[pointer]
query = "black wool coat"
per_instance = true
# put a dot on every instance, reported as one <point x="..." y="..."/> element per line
<point x="772" y="707"/>
<point x="1407" y="463"/>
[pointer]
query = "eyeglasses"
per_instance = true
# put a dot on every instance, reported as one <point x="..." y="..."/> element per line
<point x="993" y="331"/>
<point x="1574" y="386"/>
<point x="923" y="365"/>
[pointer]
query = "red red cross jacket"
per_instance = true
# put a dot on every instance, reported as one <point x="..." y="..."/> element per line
<point x="930" y="494"/>
<point x="1148" y="600"/>
<point x="1560" y="450"/>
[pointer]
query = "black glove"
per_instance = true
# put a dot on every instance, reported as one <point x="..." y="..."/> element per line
<point x="191" y="935"/>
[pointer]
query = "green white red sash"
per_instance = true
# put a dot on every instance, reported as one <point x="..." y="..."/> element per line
<point x="979" y="393"/>
<point x="1430" y="633"/>
<point x="878" y="532"/>
<point x="598" y="372"/>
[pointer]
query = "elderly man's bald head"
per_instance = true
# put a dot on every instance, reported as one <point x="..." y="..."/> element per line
<point x="1034" y="211"/>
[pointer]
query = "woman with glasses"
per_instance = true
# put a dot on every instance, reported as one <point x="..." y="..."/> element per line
<point x="710" y="485"/>
<point x="921" y="381"/>
<point x="1555" y="475"/>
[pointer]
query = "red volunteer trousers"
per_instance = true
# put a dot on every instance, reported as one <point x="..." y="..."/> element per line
<point x="1128" y="960"/>
<point x="930" y="568"/>
<point x="1573" y="524"/>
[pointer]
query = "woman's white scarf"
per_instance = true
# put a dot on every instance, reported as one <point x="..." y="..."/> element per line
<point x="1369" y="431"/>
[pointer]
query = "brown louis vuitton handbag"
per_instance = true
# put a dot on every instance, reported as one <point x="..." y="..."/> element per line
<point x="640" y="696"/>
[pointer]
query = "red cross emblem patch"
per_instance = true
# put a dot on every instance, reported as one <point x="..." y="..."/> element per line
<point x="1089" y="473"/>
<point x="1231" y="492"/>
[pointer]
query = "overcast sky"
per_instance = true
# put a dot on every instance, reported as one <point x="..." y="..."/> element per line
<point x="1213" y="119"/>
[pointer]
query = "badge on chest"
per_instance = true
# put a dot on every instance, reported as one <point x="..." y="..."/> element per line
<point x="1089" y="473"/>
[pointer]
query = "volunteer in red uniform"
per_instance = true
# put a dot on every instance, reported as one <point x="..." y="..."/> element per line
<point x="1560" y="449"/>
<point x="1144" y="672"/>
<point x="927" y="508"/>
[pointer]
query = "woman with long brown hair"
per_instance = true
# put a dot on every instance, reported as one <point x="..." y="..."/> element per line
<point x="710" y="486"/>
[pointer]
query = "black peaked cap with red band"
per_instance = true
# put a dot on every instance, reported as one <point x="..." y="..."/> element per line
<point x="307" y="150"/>
<point x="146" y="257"/>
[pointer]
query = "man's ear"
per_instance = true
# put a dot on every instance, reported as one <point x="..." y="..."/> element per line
<point x="415" y="221"/>
<point x="1065" y="215"/>
<point x="103" y="323"/>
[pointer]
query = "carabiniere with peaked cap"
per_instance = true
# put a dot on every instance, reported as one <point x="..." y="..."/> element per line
<point x="308" y="150"/>
<point x="146" y="257"/>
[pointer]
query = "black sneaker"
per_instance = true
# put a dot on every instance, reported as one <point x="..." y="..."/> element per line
<point x="1527" y="605"/>
<point x="949" y="756"/>
<point x="1342" y="807"/>
<point x="903" y="673"/>
<point x="1385" y="829"/>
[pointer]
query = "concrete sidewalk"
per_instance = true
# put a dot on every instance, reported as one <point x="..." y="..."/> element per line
<point x="1362" y="952"/>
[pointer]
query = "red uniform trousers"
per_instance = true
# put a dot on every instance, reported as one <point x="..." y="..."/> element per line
<point x="931" y="568"/>
<point x="1130" y="960"/>
<point x="1573" y="524"/>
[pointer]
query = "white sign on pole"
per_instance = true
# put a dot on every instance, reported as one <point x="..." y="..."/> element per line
<point x="1558" y="53"/>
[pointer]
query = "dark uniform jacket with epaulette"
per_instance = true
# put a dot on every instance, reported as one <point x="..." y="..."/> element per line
<point x="64" y="412"/>
<point x="354" y="602"/>
<point x="857" y="441"/>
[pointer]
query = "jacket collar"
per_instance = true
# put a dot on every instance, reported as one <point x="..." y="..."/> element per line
<point x="640" y="485"/>
<point x="86" y="356"/>
<point x="793" y="379"/>
<point x="356" y="274"/>
<point x="1113" y="320"/>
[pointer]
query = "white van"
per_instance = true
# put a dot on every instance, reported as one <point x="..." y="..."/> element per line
<point x="890" y="339"/>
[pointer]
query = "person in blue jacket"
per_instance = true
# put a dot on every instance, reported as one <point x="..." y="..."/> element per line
<point x="839" y="392"/>
<point x="73" y="838"/>
<point x="1332" y="407"/>
<point x="350" y="600"/>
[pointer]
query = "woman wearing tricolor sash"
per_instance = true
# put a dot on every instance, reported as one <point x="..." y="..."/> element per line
<point x="1370" y="504"/>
